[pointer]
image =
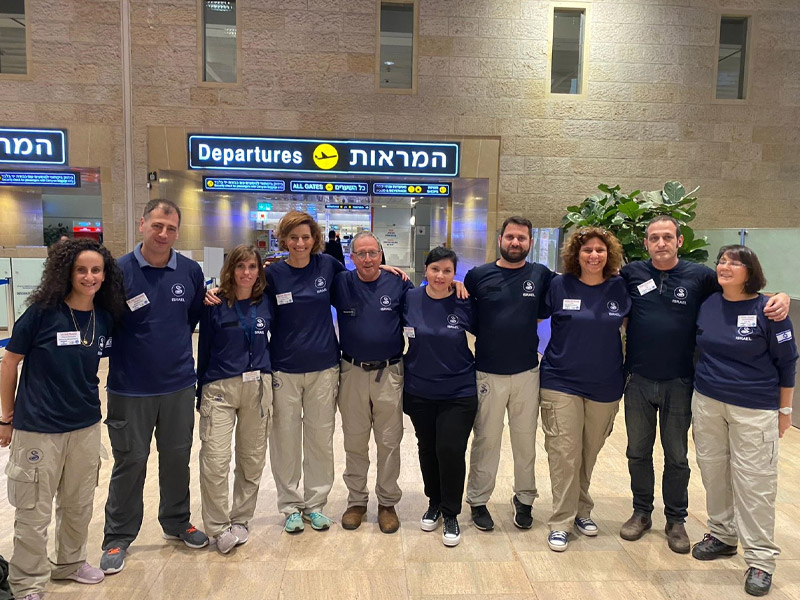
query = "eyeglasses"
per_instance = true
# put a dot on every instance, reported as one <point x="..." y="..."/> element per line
<point x="729" y="263"/>
<point x="582" y="233"/>
<point x="365" y="254"/>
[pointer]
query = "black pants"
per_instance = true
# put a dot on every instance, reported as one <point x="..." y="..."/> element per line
<point x="131" y="421"/>
<point x="442" y="428"/>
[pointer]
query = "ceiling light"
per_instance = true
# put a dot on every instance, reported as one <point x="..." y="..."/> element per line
<point x="388" y="63"/>
<point x="231" y="31"/>
<point x="219" y="5"/>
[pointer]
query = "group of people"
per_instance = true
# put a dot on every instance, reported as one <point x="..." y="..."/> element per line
<point x="271" y="368"/>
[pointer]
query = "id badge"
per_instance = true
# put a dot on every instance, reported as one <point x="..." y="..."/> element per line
<point x="646" y="287"/>
<point x="571" y="304"/>
<point x="285" y="298"/>
<point x="68" y="338"/>
<point x="747" y="321"/>
<point x="137" y="302"/>
<point x="251" y="376"/>
<point x="409" y="332"/>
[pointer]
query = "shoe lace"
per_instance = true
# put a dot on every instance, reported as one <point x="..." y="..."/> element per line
<point x="114" y="550"/>
<point x="451" y="525"/>
<point x="191" y="529"/>
<point x="558" y="536"/>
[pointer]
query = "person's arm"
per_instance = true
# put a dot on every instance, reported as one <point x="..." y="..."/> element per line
<point x="777" y="308"/>
<point x="8" y="389"/>
<point x="204" y="342"/>
<point x="461" y="290"/>
<point x="785" y="421"/>
<point x="395" y="271"/>
<point x="211" y="298"/>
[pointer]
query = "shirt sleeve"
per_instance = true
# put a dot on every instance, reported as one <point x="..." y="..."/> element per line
<point x="196" y="308"/>
<point x="469" y="282"/>
<point x="546" y="307"/>
<point x="23" y="336"/>
<point x="783" y="350"/>
<point x="204" y="344"/>
<point x="709" y="283"/>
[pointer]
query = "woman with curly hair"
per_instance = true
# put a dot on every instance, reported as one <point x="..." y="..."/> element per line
<point x="234" y="392"/>
<point x="53" y="424"/>
<point x="581" y="374"/>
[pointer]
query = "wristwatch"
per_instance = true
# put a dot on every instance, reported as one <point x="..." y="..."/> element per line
<point x="4" y="423"/>
<point x="785" y="410"/>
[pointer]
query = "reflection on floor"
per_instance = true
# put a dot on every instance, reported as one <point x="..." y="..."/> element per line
<point x="507" y="563"/>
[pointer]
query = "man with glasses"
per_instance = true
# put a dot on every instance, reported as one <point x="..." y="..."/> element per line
<point x="368" y="304"/>
<point x="667" y="293"/>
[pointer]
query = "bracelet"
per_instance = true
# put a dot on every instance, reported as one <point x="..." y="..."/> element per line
<point x="4" y="424"/>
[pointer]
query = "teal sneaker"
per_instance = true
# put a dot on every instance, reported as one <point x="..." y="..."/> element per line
<point x="318" y="521"/>
<point x="294" y="523"/>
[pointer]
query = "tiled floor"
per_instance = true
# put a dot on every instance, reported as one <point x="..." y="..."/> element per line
<point x="506" y="563"/>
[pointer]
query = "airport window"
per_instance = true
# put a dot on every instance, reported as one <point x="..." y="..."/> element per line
<point x="13" y="42"/>
<point x="732" y="58"/>
<point x="396" y="57"/>
<point x="220" y="45"/>
<point x="566" y="69"/>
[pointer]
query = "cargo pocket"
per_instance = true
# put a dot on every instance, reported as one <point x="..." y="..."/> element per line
<point x="118" y="435"/>
<point x="549" y="420"/>
<point x="205" y="420"/>
<point x="23" y="484"/>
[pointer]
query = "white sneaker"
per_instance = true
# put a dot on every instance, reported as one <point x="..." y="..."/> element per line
<point x="241" y="532"/>
<point x="451" y="532"/>
<point x="225" y="541"/>
<point x="557" y="540"/>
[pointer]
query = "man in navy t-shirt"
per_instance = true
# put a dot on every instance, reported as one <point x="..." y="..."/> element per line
<point x="508" y="295"/>
<point x="369" y="305"/>
<point x="666" y="294"/>
<point x="151" y="386"/>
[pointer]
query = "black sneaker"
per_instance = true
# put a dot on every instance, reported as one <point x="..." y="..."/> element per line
<point x="481" y="518"/>
<point x="522" y="513"/>
<point x="757" y="582"/>
<point x="430" y="520"/>
<point x="451" y="532"/>
<point x="710" y="548"/>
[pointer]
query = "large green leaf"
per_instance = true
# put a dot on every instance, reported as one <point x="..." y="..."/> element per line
<point x="673" y="192"/>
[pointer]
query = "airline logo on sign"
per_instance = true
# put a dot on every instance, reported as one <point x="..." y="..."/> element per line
<point x="364" y="157"/>
<point x="33" y="146"/>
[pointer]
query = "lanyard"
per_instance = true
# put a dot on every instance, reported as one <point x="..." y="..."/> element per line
<point x="249" y="329"/>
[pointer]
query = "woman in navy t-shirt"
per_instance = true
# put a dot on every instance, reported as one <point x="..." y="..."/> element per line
<point x="742" y="403"/>
<point x="439" y="390"/>
<point x="53" y="424"/>
<point x="235" y="392"/>
<point x="581" y="379"/>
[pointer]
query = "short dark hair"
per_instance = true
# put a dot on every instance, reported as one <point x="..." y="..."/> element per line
<point x="755" y="274"/>
<point x="516" y="220"/>
<point x="441" y="253"/>
<point x="168" y="206"/>
<point x="331" y="235"/>
<point x="668" y="219"/>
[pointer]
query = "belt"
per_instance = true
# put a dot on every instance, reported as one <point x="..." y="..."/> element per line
<point x="372" y="365"/>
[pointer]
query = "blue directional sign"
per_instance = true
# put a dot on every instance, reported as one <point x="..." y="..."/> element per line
<point x="405" y="188"/>
<point x="358" y="188"/>
<point x="238" y="184"/>
<point x="33" y="146"/>
<point x="41" y="178"/>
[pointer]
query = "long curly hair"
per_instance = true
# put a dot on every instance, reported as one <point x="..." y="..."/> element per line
<point x="56" y="281"/>
<point x="572" y="249"/>
<point x="227" y="286"/>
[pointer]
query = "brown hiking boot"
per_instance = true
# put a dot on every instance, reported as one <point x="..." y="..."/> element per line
<point x="387" y="519"/>
<point x="353" y="516"/>
<point x="677" y="538"/>
<point x="635" y="527"/>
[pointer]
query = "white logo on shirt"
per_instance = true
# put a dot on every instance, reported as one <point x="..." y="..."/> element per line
<point x="178" y="290"/>
<point x="319" y="283"/>
<point x="613" y="306"/>
<point x="744" y="334"/>
<point x="385" y="300"/>
<point x="452" y="321"/>
<point x="527" y="286"/>
<point x="784" y="336"/>
<point x="261" y="323"/>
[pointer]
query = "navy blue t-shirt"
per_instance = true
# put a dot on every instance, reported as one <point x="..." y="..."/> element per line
<point x="439" y="363"/>
<point x="303" y="337"/>
<point x="369" y="314"/>
<point x="508" y="305"/>
<point x="152" y="350"/>
<point x="57" y="390"/>
<point x="584" y="356"/>
<point x="661" y="330"/>
<point x="223" y="348"/>
<point x="744" y="357"/>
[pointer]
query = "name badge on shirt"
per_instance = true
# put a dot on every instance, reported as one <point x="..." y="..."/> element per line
<point x="571" y="304"/>
<point x="746" y="321"/>
<point x="646" y="287"/>
<point x="409" y="332"/>
<point x="285" y="298"/>
<point x="138" y="302"/>
<point x="68" y="338"/>
<point x="251" y="376"/>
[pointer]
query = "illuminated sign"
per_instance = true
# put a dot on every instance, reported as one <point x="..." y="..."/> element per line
<point x="264" y="206"/>
<point x="236" y="184"/>
<point x="33" y="146"/>
<point x="365" y="157"/>
<point x="402" y="188"/>
<point x="347" y="206"/>
<point x="41" y="178"/>
<point x="329" y="187"/>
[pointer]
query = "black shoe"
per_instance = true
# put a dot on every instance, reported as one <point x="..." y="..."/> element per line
<point x="710" y="548"/>
<point x="522" y="513"/>
<point x="430" y="519"/>
<point x="482" y="519"/>
<point x="451" y="532"/>
<point x="757" y="582"/>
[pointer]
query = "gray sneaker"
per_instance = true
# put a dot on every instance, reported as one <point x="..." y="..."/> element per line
<point x="225" y="541"/>
<point x="113" y="560"/>
<point x="191" y="536"/>
<point x="241" y="532"/>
